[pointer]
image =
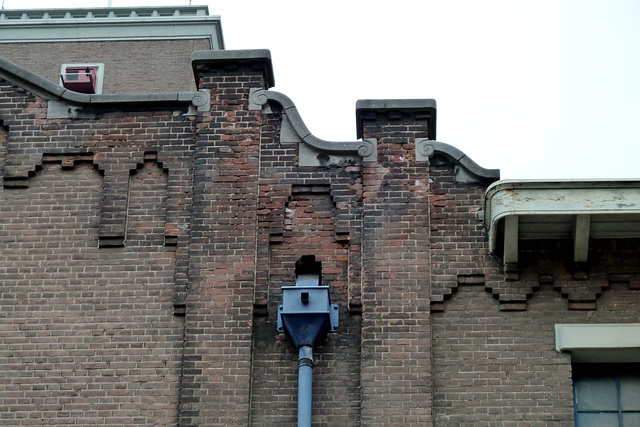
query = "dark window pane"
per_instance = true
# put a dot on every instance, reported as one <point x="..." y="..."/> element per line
<point x="598" y="420"/>
<point x="596" y="394"/>
<point x="630" y="392"/>
<point x="630" y="420"/>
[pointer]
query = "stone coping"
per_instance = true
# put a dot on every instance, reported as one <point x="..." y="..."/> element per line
<point x="365" y="107"/>
<point x="257" y="58"/>
<point x="51" y="91"/>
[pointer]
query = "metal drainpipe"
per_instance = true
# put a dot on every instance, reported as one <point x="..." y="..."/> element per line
<point x="306" y="315"/>
<point x="305" y="370"/>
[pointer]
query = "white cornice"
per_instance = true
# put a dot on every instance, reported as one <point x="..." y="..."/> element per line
<point x="60" y="25"/>
<point x="571" y="209"/>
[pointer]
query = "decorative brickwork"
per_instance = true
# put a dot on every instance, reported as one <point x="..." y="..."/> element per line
<point x="550" y="263"/>
<point x="500" y="367"/>
<point x="87" y="334"/>
<point x="309" y="230"/>
<point x="103" y="339"/>
<point x="459" y="253"/>
<point x="306" y="211"/>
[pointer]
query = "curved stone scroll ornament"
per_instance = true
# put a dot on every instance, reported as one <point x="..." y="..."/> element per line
<point x="199" y="99"/>
<point x="365" y="150"/>
<point x="466" y="169"/>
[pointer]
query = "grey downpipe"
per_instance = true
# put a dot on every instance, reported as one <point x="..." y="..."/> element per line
<point x="305" y="370"/>
<point x="306" y="315"/>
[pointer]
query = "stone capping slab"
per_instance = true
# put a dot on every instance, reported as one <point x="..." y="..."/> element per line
<point x="234" y="58"/>
<point x="366" y="148"/>
<point x="597" y="335"/>
<point x="426" y="148"/>
<point x="383" y="106"/>
<point x="48" y="90"/>
<point x="599" y="342"/>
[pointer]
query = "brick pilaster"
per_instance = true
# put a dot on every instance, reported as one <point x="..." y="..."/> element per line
<point x="396" y="329"/>
<point x="218" y="325"/>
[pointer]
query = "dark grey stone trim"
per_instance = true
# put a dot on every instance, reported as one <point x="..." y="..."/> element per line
<point x="61" y="99"/>
<point x="366" y="149"/>
<point x="234" y="58"/>
<point x="30" y="81"/>
<point x="371" y="109"/>
<point x="426" y="148"/>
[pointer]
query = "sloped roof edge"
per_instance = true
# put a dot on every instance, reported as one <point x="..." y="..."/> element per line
<point x="365" y="148"/>
<point x="426" y="148"/>
<point x="46" y="89"/>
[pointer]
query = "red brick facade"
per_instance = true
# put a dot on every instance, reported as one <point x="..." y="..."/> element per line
<point x="144" y="246"/>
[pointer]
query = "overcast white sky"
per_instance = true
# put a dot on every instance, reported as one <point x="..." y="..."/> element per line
<point x="539" y="89"/>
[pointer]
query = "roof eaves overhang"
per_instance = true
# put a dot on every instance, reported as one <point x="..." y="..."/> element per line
<point x="576" y="209"/>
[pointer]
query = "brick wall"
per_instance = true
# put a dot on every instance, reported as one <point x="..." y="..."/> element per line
<point x="458" y="243"/>
<point x="218" y="335"/>
<point x="87" y="334"/>
<point x="309" y="230"/>
<point x="143" y="251"/>
<point x="495" y="367"/>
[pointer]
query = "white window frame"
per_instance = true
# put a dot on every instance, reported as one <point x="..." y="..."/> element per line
<point x="99" y="66"/>
<point x="606" y="343"/>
